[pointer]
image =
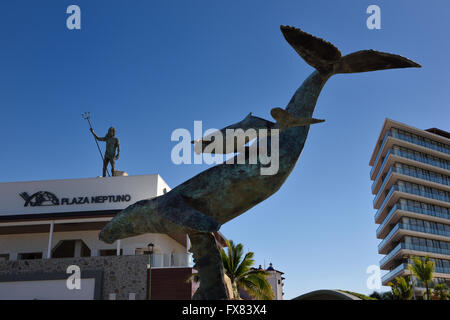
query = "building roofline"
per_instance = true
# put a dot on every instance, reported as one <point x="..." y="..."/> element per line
<point x="58" y="216"/>
<point x="85" y="178"/>
<point x="439" y="132"/>
<point x="389" y="123"/>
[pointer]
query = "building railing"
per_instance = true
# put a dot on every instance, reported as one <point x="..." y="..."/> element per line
<point x="392" y="253"/>
<point x="375" y="181"/>
<point x="404" y="207"/>
<point x="413" y="140"/>
<point x="389" y="236"/>
<point x="159" y="260"/>
<point x="381" y="190"/>
<point x="410" y="191"/>
<point x="411" y="227"/>
<point x="414" y="247"/>
<point x="409" y="155"/>
<point x="435" y="281"/>
<point x="419" y="142"/>
<point x="393" y="272"/>
<point x="441" y="180"/>
<point x="404" y="266"/>
<point x="170" y="260"/>
<point x="444" y="180"/>
<point x="387" y="218"/>
<point x="379" y="152"/>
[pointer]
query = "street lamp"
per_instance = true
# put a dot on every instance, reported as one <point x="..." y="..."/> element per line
<point x="149" y="270"/>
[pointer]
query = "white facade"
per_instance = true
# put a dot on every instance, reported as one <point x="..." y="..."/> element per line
<point x="75" y="195"/>
<point x="82" y="206"/>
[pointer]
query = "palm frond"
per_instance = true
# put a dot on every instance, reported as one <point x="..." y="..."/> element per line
<point x="237" y="267"/>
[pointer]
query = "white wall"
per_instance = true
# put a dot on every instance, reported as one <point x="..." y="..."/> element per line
<point x="277" y="288"/>
<point x="161" y="186"/>
<point x="138" y="187"/>
<point x="46" y="290"/>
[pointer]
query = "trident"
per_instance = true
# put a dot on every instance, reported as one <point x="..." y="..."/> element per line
<point x="87" y="116"/>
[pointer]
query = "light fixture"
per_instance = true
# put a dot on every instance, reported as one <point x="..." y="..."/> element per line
<point x="150" y="248"/>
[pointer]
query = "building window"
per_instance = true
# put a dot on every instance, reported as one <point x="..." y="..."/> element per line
<point x="29" y="256"/>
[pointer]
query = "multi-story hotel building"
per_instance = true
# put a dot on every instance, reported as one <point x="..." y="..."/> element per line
<point x="411" y="184"/>
<point x="49" y="230"/>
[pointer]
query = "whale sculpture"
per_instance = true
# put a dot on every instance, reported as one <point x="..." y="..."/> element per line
<point x="199" y="206"/>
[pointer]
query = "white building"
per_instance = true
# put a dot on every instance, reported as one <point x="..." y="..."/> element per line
<point x="47" y="226"/>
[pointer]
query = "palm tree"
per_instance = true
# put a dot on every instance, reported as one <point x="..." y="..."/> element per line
<point x="402" y="288"/>
<point x="440" y="292"/>
<point x="237" y="267"/>
<point x="423" y="269"/>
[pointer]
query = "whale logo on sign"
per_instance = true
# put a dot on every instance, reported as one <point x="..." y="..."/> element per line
<point x="40" y="198"/>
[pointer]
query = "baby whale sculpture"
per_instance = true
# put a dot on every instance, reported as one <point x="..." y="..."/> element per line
<point x="203" y="203"/>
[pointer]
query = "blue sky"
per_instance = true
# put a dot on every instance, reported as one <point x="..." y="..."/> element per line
<point x="150" y="67"/>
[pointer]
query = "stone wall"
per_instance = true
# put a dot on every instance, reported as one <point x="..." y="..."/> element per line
<point x="119" y="274"/>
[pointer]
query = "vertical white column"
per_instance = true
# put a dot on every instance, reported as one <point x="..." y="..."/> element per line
<point x="118" y="247"/>
<point x="94" y="252"/>
<point x="77" y="250"/>
<point x="50" y="238"/>
<point x="188" y="246"/>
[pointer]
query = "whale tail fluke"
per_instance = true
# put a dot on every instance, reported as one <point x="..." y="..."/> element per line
<point x="327" y="59"/>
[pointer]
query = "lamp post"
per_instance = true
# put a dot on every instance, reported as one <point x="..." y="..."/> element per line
<point x="149" y="270"/>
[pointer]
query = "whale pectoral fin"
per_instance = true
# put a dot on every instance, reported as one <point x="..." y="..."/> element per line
<point x="164" y="214"/>
<point x="178" y="211"/>
<point x="371" y="60"/>
<point x="285" y="120"/>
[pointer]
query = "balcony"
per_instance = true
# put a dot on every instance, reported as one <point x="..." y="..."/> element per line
<point x="425" y="194"/>
<point x="444" y="180"/>
<point x="420" y="142"/>
<point x="419" y="158"/>
<point x="386" y="136"/>
<point x="388" y="217"/>
<point x="403" y="226"/>
<point x="396" y="154"/>
<point x="383" y="164"/>
<point x="403" y="268"/>
<point x="409" y="246"/>
<point x="382" y="188"/>
<point x="394" y="273"/>
<point x="419" y="210"/>
<point x="392" y="253"/>
<point x="405" y="138"/>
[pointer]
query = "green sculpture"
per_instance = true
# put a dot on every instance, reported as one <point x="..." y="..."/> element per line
<point x="112" y="146"/>
<point x="203" y="203"/>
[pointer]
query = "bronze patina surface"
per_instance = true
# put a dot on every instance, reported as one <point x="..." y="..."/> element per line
<point x="112" y="146"/>
<point x="203" y="203"/>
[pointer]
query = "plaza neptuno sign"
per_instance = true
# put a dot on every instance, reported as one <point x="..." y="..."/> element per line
<point x="46" y="198"/>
